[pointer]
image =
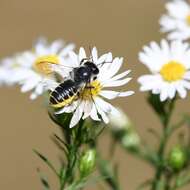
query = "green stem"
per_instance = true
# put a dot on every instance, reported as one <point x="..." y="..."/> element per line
<point x="73" y="138"/>
<point x="164" y="139"/>
<point x="168" y="182"/>
<point x="70" y="167"/>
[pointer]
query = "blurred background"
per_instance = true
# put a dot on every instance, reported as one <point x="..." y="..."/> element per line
<point x="121" y="26"/>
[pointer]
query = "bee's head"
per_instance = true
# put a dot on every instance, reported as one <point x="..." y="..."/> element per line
<point x="86" y="72"/>
<point x="93" y="68"/>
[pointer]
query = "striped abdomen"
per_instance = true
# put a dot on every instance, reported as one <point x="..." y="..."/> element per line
<point x="64" y="94"/>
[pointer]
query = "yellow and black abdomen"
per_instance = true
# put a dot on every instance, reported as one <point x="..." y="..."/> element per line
<point x="64" y="94"/>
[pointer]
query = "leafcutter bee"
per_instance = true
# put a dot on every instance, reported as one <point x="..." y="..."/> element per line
<point x="69" y="90"/>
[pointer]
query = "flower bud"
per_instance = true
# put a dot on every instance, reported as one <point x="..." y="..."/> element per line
<point x="177" y="158"/>
<point x="87" y="162"/>
<point x="119" y="120"/>
<point x="130" y="140"/>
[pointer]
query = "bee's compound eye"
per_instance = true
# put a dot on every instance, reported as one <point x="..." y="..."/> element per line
<point x="95" y="70"/>
<point x="94" y="78"/>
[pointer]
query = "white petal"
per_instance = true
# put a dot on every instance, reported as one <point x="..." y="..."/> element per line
<point x="38" y="91"/>
<point x="111" y="83"/>
<point x="181" y="90"/>
<point x="119" y="76"/>
<point x="102" y="109"/>
<point x="50" y="84"/>
<point x="186" y="84"/>
<point x="87" y="109"/>
<point x="113" y="94"/>
<point x="109" y="57"/>
<point x="164" y="94"/>
<point x="102" y="59"/>
<point x="29" y="85"/>
<point x="74" y="58"/>
<point x="40" y="49"/>
<point x="95" y="54"/>
<point x="105" y="106"/>
<point x="171" y="91"/>
<point x="67" y="109"/>
<point x="77" y="115"/>
<point x="114" y="67"/>
<point x="82" y="54"/>
<point x="94" y="114"/>
<point x="187" y="75"/>
<point x="56" y="46"/>
<point x="33" y="96"/>
<point x="65" y="51"/>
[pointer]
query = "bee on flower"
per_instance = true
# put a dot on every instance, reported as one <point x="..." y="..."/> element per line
<point x="83" y="93"/>
<point x="169" y="65"/>
<point x="36" y="67"/>
<point x="177" y="20"/>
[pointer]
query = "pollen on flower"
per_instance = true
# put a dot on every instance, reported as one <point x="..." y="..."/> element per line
<point x="172" y="71"/>
<point x="43" y="64"/>
<point x="188" y="19"/>
<point x="91" y="91"/>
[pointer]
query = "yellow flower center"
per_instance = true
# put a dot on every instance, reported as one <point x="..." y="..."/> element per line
<point x="43" y="64"/>
<point x="92" y="90"/>
<point x="188" y="19"/>
<point x="172" y="71"/>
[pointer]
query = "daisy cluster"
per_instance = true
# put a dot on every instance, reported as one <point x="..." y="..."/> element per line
<point x="48" y="65"/>
<point x="169" y="61"/>
<point x="52" y="68"/>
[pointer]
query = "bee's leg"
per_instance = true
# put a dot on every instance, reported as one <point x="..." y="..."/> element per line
<point x="89" y="87"/>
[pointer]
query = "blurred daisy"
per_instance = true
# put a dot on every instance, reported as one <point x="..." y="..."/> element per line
<point x="90" y="101"/>
<point x="36" y="67"/>
<point x="119" y="121"/>
<point x="177" y="20"/>
<point x="169" y="65"/>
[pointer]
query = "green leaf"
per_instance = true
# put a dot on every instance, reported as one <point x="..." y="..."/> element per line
<point x="40" y="155"/>
<point x="108" y="173"/>
<point x="44" y="181"/>
<point x="76" y="185"/>
<point x="47" y="162"/>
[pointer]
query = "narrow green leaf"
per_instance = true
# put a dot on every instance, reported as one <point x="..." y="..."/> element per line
<point x="44" y="181"/>
<point x="41" y="156"/>
<point x="47" y="162"/>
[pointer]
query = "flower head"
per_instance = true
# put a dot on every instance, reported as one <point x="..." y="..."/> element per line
<point x="36" y="67"/>
<point x="169" y="65"/>
<point x="177" y="20"/>
<point x="90" y="101"/>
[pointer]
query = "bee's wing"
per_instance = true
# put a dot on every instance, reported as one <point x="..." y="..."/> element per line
<point x="62" y="70"/>
<point x="50" y="84"/>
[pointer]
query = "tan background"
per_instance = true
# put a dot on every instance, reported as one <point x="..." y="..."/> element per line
<point x="120" y="26"/>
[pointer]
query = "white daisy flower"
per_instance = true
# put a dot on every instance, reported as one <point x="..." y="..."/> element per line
<point x="36" y="67"/>
<point x="90" y="102"/>
<point x="169" y="65"/>
<point x="177" y="20"/>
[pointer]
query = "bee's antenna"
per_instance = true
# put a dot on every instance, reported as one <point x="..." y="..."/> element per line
<point x="66" y="66"/>
<point x="101" y="64"/>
